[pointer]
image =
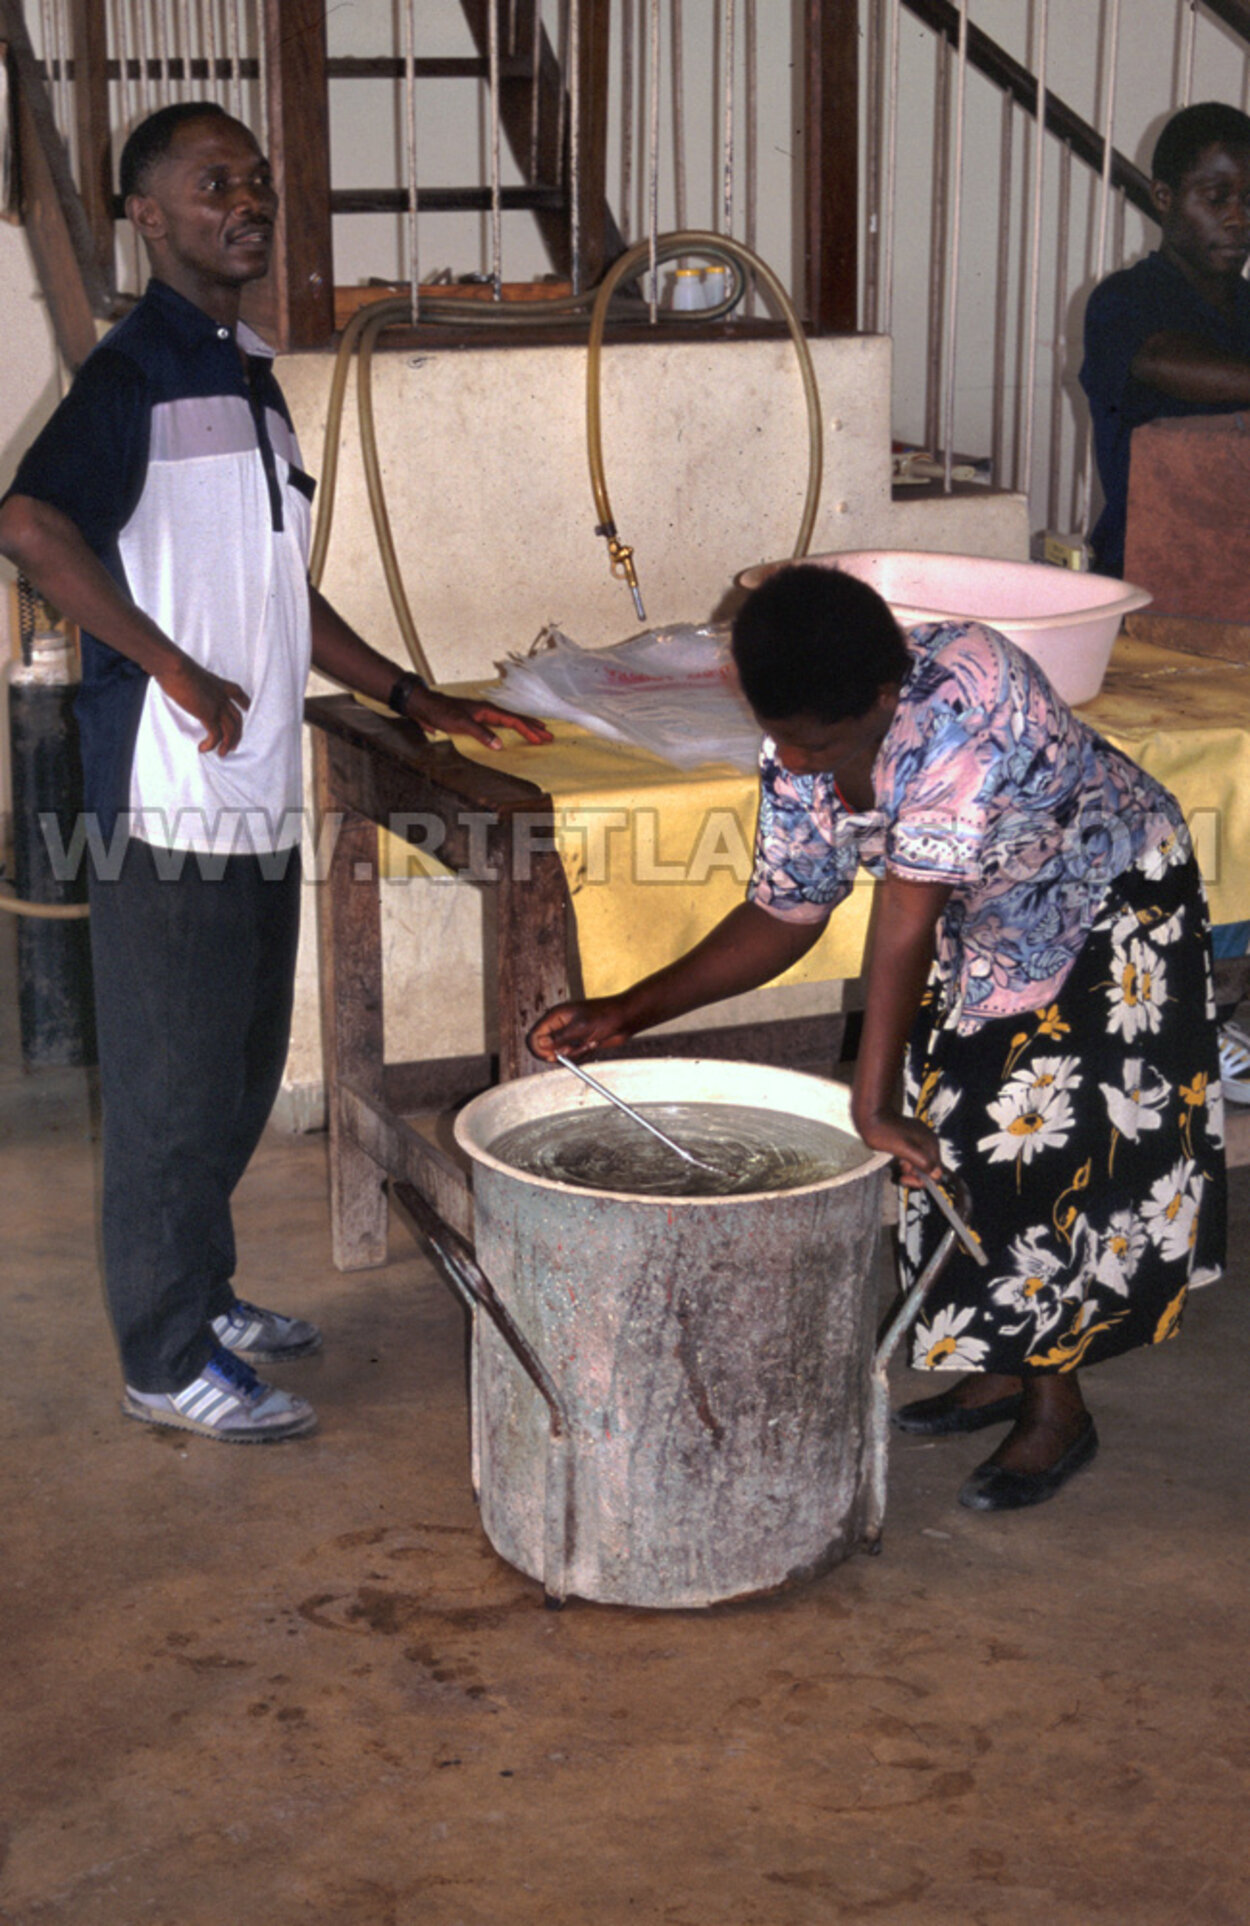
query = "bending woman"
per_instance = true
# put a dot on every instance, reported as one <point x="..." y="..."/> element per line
<point x="1039" y="954"/>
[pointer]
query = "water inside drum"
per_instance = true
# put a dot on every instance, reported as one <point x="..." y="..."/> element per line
<point x="750" y="1150"/>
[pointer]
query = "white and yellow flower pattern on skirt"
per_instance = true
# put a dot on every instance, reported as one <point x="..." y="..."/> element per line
<point x="1091" y="1138"/>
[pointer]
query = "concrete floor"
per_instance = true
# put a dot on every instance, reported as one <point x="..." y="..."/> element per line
<point x="295" y="1684"/>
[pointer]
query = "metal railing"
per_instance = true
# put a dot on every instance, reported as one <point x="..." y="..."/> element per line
<point x="539" y="125"/>
<point x="986" y="189"/>
<point x="998" y="265"/>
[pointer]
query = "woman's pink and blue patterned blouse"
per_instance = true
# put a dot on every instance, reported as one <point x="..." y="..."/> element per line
<point x="988" y="782"/>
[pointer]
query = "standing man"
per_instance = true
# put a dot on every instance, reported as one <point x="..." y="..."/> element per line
<point x="165" y="510"/>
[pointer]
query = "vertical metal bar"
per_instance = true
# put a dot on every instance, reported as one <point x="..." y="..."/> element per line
<point x="1063" y="225"/>
<point x="1104" y="203"/>
<point x="751" y="116"/>
<point x="123" y="55"/>
<point x="232" y="49"/>
<point x="1024" y="467"/>
<point x="952" y="276"/>
<point x="653" y="159"/>
<point x="677" y="80"/>
<point x="1108" y="129"/>
<point x="563" y="35"/>
<point x="46" y="37"/>
<point x="874" y="85"/>
<point x="120" y="33"/>
<point x="642" y="134"/>
<point x="210" y="46"/>
<point x="145" y="54"/>
<point x="184" y="47"/>
<point x="575" y="139"/>
<point x="52" y="66"/>
<point x="54" y="62"/>
<point x="412" y="262"/>
<point x="262" y="65"/>
<point x="998" y="394"/>
<point x="162" y="47"/>
<point x="1187" y="52"/>
<point x="937" y="247"/>
<point x="536" y="90"/>
<point x="65" y="90"/>
<point x="496" y="201"/>
<point x="149" y="92"/>
<point x="627" y="115"/>
<point x="727" y="162"/>
<point x="889" y="169"/>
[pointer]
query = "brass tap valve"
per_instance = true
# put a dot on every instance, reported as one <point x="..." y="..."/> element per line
<point x="621" y="563"/>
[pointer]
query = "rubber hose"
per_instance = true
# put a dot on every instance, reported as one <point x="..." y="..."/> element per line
<point x="559" y="309"/>
<point x="563" y="308"/>
<point x="377" y="494"/>
<point x="369" y="321"/>
<point x="48" y="912"/>
<point x="330" y="443"/>
<point x="716" y="246"/>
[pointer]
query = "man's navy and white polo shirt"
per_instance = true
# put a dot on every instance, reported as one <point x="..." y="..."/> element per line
<point x="183" y="474"/>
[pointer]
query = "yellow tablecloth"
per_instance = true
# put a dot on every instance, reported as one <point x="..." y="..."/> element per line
<point x="655" y="856"/>
<point x="1186" y="718"/>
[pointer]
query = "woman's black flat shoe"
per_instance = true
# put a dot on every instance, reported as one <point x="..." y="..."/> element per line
<point x="920" y="1420"/>
<point x="993" y="1488"/>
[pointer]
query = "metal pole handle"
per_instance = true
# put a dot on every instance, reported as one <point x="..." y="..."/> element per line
<point x="474" y="1288"/>
<point x="896" y="1327"/>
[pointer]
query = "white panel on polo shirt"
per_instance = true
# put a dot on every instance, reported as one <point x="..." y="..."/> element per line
<point x="203" y="559"/>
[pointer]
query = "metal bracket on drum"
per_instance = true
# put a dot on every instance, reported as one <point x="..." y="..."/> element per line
<point x="475" y="1290"/>
<point x="895" y="1329"/>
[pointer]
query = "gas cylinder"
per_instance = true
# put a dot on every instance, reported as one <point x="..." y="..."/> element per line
<point x="53" y="955"/>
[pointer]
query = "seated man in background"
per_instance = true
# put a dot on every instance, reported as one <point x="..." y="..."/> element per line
<point x="1171" y="336"/>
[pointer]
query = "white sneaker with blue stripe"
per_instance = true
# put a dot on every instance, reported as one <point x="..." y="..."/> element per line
<point x="1235" y="1063"/>
<point x="227" y="1401"/>
<point x="252" y="1333"/>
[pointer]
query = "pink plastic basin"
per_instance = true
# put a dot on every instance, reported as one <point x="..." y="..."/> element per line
<point x="1065" y="619"/>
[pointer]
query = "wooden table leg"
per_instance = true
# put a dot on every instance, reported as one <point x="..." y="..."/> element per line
<point x="534" y="938"/>
<point x="349" y="929"/>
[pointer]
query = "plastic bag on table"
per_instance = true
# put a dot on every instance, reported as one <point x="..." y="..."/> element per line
<point x="671" y="691"/>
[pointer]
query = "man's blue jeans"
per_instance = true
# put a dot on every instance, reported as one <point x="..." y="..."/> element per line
<point x="194" y="968"/>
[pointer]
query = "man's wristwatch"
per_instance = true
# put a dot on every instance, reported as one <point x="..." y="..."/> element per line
<point x="404" y="686"/>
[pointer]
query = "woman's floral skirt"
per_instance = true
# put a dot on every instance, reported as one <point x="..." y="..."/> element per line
<point x="1091" y="1137"/>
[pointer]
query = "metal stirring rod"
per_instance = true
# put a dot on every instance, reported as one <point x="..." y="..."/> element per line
<point x="687" y="1156"/>
<point x="965" y="1233"/>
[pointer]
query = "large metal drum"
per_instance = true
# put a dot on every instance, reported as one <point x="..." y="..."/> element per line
<point x="684" y="1412"/>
